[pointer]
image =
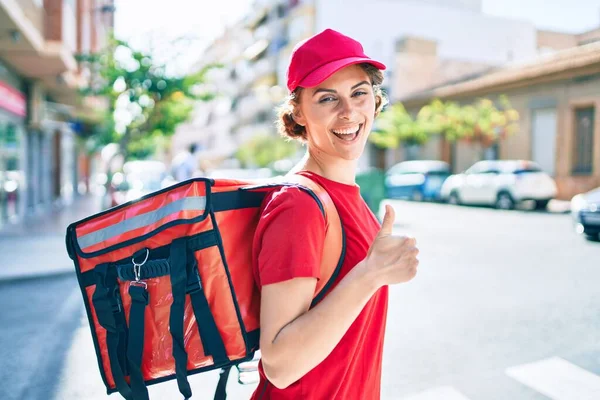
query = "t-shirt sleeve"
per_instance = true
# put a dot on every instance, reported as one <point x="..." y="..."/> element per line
<point x="291" y="235"/>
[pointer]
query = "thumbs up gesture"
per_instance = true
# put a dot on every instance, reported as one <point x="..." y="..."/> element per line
<point x="392" y="258"/>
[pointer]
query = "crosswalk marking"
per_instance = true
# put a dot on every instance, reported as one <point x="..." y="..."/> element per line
<point x="558" y="379"/>
<point x="441" y="393"/>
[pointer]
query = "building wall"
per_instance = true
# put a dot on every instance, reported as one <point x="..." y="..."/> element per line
<point x="417" y="66"/>
<point x="565" y="97"/>
<point x="458" y="51"/>
<point x="13" y="146"/>
<point x="589" y="37"/>
<point x="498" y="40"/>
<point x="552" y="41"/>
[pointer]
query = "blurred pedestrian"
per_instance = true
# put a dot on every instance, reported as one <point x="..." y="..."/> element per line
<point x="333" y="350"/>
<point x="185" y="164"/>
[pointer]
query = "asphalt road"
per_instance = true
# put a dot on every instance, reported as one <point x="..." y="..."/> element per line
<point x="505" y="307"/>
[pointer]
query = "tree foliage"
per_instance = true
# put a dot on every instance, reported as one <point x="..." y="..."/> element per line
<point x="145" y="104"/>
<point x="396" y="125"/>
<point x="264" y="149"/>
<point x="482" y="120"/>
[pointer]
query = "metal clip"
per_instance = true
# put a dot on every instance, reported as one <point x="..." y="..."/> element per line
<point x="139" y="283"/>
<point x="137" y="271"/>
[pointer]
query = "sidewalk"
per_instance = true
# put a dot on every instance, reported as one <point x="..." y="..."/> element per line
<point x="36" y="246"/>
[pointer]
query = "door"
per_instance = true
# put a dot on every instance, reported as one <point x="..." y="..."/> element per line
<point x="480" y="184"/>
<point x="543" y="138"/>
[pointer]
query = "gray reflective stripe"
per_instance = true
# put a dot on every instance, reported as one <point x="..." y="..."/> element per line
<point x="197" y="203"/>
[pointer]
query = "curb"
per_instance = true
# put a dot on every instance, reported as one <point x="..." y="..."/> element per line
<point x="12" y="279"/>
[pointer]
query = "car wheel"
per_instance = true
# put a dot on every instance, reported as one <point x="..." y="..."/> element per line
<point x="504" y="201"/>
<point x="454" y="199"/>
<point x="541" y="204"/>
<point x="417" y="196"/>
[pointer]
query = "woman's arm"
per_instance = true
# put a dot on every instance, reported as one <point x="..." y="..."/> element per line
<point x="295" y="339"/>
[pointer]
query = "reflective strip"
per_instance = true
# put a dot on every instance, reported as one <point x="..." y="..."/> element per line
<point x="197" y="203"/>
<point x="558" y="379"/>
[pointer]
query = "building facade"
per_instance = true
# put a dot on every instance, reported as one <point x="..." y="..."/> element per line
<point x="261" y="44"/>
<point x="40" y="166"/>
<point x="558" y="100"/>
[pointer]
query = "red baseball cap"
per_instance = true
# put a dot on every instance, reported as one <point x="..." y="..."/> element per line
<point x="318" y="57"/>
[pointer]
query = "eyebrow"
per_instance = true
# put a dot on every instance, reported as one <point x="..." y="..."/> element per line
<point x="333" y="91"/>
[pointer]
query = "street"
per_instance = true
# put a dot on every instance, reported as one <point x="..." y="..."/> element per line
<point x="504" y="307"/>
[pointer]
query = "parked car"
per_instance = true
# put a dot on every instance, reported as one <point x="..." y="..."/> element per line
<point x="138" y="178"/>
<point x="585" y="209"/>
<point x="416" y="180"/>
<point x="500" y="183"/>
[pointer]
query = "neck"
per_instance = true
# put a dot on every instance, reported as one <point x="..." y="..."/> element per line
<point x="338" y="170"/>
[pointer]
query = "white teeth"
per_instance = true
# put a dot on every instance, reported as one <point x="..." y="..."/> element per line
<point x="351" y="131"/>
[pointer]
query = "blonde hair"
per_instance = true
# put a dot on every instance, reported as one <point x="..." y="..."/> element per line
<point x="288" y="128"/>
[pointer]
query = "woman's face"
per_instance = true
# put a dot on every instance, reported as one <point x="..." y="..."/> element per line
<point x="338" y="114"/>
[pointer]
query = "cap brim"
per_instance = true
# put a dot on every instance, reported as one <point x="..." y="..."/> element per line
<point x="322" y="73"/>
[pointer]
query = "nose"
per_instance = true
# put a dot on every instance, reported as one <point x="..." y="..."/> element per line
<point x="346" y="111"/>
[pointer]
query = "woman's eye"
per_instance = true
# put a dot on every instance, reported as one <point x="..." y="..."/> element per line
<point x="327" y="99"/>
<point x="359" y="93"/>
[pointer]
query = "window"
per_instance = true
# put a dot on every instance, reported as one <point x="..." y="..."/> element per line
<point x="11" y="137"/>
<point x="583" y="144"/>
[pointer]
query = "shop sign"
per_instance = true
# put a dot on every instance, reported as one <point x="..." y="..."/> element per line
<point x="12" y="100"/>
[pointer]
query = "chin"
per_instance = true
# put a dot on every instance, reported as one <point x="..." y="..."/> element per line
<point x="351" y="156"/>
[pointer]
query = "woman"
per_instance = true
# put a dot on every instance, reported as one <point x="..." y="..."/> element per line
<point x="333" y="350"/>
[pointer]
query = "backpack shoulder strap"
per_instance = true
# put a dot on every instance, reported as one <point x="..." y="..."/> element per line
<point x="335" y="241"/>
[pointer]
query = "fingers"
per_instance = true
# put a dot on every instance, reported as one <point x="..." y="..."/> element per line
<point x="410" y="241"/>
<point x="388" y="221"/>
<point x="407" y="251"/>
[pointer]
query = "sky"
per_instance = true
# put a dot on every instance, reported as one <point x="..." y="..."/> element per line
<point x="155" y="23"/>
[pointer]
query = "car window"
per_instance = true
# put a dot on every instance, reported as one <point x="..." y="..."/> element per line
<point x="521" y="167"/>
<point x="475" y="169"/>
<point x="490" y="170"/>
<point x="438" y="173"/>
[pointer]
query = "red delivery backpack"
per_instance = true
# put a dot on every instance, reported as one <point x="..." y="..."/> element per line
<point x="168" y="285"/>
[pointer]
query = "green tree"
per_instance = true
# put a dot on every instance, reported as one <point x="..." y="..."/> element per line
<point x="264" y="149"/>
<point x="483" y="121"/>
<point x="145" y="104"/>
<point x="396" y="125"/>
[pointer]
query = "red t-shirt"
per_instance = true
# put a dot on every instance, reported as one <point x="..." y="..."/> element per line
<point x="288" y="244"/>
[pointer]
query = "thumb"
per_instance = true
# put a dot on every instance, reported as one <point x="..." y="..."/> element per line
<point x="388" y="221"/>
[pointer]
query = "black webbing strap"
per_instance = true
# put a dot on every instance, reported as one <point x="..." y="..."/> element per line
<point x="178" y="261"/>
<point x="135" y="347"/>
<point x="209" y="333"/>
<point x="221" y="392"/>
<point x="109" y="310"/>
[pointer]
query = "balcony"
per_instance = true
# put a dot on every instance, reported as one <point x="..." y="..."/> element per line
<point x="22" y="24"/>
<point x="40" y="37"/>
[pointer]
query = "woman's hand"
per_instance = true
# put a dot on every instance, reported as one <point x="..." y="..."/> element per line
<point x="391" y="259"/>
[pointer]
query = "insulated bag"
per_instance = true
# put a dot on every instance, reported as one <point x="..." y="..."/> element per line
<point x="168" y="285"/>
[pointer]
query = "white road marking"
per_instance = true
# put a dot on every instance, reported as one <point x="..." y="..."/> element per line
<point x="558" y="379"/>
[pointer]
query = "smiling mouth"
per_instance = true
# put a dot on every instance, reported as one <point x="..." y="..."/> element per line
<point x="349" y="134"/>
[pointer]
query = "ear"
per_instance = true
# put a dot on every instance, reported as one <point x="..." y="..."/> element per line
<point x="378" y="101"/>
<point x="298" y="117"/>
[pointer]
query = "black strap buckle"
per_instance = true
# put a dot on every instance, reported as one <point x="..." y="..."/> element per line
<point x="116" y="303"/>
<point x="194" y="283"/>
